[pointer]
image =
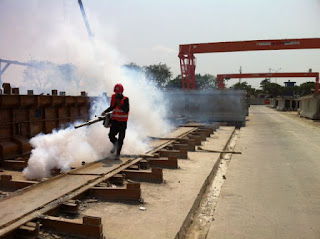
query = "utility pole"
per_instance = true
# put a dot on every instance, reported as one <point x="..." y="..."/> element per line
<point x="240" y="70"/>
<point x="275" y="71"/>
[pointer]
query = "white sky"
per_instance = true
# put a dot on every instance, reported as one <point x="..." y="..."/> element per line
<point x="148" y="32"/>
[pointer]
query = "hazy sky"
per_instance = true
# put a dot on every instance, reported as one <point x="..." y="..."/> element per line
<point x="149" y="32"/>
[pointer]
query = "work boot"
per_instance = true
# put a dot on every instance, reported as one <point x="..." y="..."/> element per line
<point x="117" y="157"/>
<point x="114" y="148"/>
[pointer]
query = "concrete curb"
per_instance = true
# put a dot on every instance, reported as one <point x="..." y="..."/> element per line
<point x="188" y="220"/>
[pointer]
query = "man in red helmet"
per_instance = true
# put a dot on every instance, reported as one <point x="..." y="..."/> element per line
<point x="120" y="111"/>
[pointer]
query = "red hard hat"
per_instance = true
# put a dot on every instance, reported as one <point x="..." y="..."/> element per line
<point x="118" y="88"/>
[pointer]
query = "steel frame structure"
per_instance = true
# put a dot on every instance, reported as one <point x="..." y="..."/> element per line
<point x="222" y="77"/>
<point x="8" y="63"/>
<point x="85" y="19"/>
<point x="188" y="60"/>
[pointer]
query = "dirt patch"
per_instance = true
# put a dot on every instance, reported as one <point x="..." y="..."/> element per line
<point x="294" y="115"/>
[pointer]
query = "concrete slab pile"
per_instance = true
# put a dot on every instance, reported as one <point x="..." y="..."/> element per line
<point x="274" y="103"/>
<point x="286" y="103"/>
<point x="295" y="104"/>
<point x="309" y="106"/>
<point x="208" y="106"/>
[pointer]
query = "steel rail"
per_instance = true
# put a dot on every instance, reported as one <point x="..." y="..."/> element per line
<point x="8" y="223"/>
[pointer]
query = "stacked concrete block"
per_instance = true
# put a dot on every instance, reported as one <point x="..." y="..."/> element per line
<point x="273" y="103"/>
<point x="287" y="104"/>
<point x="309" y="106"/>
<point x="295" y="104"/>
<point x="283" y="104"/>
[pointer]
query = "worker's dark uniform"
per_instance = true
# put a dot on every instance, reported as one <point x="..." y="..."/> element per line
<point x="120" y="107"/>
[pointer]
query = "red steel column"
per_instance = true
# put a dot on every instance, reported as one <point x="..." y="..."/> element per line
<point x="317" y="85"/>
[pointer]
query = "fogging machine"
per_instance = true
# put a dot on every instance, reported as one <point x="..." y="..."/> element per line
<point x="105" y="118"/>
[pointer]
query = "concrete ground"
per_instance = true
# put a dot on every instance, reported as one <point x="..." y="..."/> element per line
<point x="272" y="189"/>
<point x="294" y="115"/>
<point x="168" y="204"/>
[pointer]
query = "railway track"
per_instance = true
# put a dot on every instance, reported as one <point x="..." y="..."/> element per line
<point x="36" y="204"/>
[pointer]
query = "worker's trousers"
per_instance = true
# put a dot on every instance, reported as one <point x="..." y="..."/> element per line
<point x="117" y="127"/>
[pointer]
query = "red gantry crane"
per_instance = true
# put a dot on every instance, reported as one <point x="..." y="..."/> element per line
<point x="188" y="60"/>
<point x="222" y="77"/>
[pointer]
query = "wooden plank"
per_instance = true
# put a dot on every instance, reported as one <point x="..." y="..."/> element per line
<point x="179" y="133"/>
<point x="19" y="205"/>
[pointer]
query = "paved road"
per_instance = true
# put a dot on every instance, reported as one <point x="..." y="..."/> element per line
<point x="272" y="190"/>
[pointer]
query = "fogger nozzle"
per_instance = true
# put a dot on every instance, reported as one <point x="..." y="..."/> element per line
<point x="104" y="118"/>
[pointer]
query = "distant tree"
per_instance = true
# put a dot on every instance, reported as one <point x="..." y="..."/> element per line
<point x="306" y="88"/>
<point x="273" y="89"/>
<point x="68" y="72"/>
<point x="205" y="82"/>
<point x="264" y="83"/>
<point x="44" y="75"/>
<point x="133" y="66"/>
<point x="244" y="86"/>
<point x="289" y="90"/>
<point x="259" y="93"/>
<point x="175" y="83"/>
<point x="202" y="82"/>
<point x="159" y="73"/>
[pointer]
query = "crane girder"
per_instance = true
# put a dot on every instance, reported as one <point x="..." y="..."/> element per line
<point x="222" y="77"/>
<point x="188" y="61"/>
<point x="257" y="45"/>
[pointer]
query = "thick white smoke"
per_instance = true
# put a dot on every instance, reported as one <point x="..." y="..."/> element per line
<point x="100" y="68"/>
